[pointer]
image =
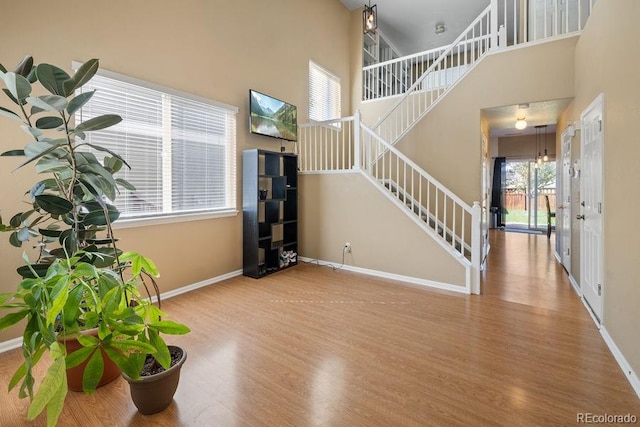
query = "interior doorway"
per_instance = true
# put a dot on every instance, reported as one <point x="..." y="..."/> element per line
<point x="528" y="182"/>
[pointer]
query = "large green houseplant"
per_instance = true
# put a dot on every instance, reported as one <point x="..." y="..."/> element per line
<point x="80" y="279"/>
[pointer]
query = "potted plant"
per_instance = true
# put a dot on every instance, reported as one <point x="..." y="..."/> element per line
<point x="80" y="280"/>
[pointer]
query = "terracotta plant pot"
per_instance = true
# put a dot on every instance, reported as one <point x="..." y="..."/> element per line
<point x="152" y="394"/>
<point x="74" y="375"/>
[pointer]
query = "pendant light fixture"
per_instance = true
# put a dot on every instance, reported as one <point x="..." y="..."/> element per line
<point x="370" y="18"/>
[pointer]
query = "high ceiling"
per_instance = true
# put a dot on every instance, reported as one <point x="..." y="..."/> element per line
<point x="410" y="24"/>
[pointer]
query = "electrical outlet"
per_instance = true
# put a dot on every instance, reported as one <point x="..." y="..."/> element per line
<point x="347" y="247"/>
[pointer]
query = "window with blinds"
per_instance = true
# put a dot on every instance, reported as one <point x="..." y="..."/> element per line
<point x="181" y="148"/>
<point x="324" y="94"/>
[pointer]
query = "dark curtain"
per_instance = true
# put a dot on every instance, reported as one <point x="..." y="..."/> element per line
<point x="497" y="192"/>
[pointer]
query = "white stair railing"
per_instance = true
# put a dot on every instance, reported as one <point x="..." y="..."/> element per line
<point x="441" y="75"/>
<point x="348" y="145"/>
<point x="394" y="77"/>
<point x="327" y="146"/>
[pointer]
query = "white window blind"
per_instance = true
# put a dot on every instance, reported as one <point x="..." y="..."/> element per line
<point x="324" y="94"/>
<point x="181" y="148"/>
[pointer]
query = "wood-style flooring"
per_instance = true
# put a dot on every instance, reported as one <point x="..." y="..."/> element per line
<point x="315" y="347"/>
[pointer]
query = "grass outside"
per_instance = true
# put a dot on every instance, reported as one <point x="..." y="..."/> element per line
<point x="522" y="217"/>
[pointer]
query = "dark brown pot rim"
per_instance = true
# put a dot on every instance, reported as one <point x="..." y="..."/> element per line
<point x="159" y="375"/>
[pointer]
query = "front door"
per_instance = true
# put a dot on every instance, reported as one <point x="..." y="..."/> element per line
<point x="591" y="242"/>
<point x="564" y="207"/>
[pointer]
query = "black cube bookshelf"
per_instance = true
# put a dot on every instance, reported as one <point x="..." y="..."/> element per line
<point x="269" y="211"/>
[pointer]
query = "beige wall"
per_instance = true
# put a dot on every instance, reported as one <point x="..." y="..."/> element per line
<point x="524" y="146"/>
<point x="214" y="49"/>
<point x="610" y="34"/>
<point x="340" y="208"/>
<point x="447" y="141"/>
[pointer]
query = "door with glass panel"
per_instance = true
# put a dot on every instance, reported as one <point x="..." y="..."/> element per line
<point x="527" y="184"/>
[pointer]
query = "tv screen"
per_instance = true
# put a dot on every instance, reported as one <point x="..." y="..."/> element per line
<point x="272" y="117"/>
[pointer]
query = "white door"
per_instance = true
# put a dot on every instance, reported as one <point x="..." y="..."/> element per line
<point x="591" y="242"/>
<point x="563" y="210"/>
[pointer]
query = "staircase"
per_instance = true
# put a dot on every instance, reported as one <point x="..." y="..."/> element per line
<point x="347" y="144"/>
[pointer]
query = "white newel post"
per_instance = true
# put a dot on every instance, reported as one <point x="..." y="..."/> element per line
<point x="476" y="253"/>
<point x="494" y="24"/>
<point x="357" y="161"/>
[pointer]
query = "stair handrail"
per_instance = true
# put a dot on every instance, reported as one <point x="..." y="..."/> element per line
<point x="414" y="166"/>
<point x="418" y="82"/>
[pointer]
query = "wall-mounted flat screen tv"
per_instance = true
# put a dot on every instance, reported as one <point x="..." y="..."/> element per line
<point x="271" y="117"/>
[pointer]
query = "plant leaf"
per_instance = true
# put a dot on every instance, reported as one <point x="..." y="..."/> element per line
<point x="127" y="346"/>
<point x="58" y="302"/>
<point x="56" y="403"/>
<point x="124" y="363"/>
<point x="33" y="151"/>
<point x="79" y="356"/>
<point x="9" y="113"/>
<point x="12" y="318"/>
<point x="97" y="123"/>
<point x="93" y="373"/>
<point x="13" y="153"/>
<point x="13" y="98"/>
<point x="53" y="204"/>
<point x="82" y="75"/>
<point x="162" y="354"/>
<point x="125" y="184"/>
<point x="98" y="218"/>
<point x="18" y="86"/>
<point x="14" y="241"/>
<point x="76" y="103"/>
<point x="49" y="122"/>
<point x="48" y="102"/>
<point x="52" y="78"/>
<point x="24" y="67"/>
<point x="88" y="340"/>
<point x="114" y="154"/>
<point x="170" y="327"/>
<point x="49" y="233"/>
<point x="51" y="382"/>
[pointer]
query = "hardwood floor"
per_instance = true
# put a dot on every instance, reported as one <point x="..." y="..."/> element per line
<point x="316" y="347"/>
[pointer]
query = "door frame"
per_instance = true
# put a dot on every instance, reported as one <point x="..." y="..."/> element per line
<point x="563" y="233"/>
<point x="597" y="312"/>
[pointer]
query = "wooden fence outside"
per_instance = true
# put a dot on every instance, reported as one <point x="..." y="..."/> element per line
<point x="520" y="201"/>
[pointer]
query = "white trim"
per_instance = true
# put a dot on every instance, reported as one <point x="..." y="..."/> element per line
<point x="526" y="44"/>
<point x="401" y="278"/>
<point x="149" y="85"/>
<point x="172" y="218"/>
<point x="198" y="285"/>
<point x="330" y="172"/>
<point x="17" y="342"/>
<point x="575" y="285"/>
<point x="595" y="319"/>
<point x="10" y="344"/>
<point x="622" y="361"/>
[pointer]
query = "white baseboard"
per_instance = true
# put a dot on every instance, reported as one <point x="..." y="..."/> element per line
<point x="10" y="344"/>
<point x="393" y="276"/>
<point x="575" y="285"/>
<point x="17" y="342"/>
<point x="622" y="361"/>
<point x="202" y="284"/>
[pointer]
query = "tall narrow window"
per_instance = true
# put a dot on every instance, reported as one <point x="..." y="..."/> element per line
<point x="181" y="148"/>
<point x="324" y="94"/>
